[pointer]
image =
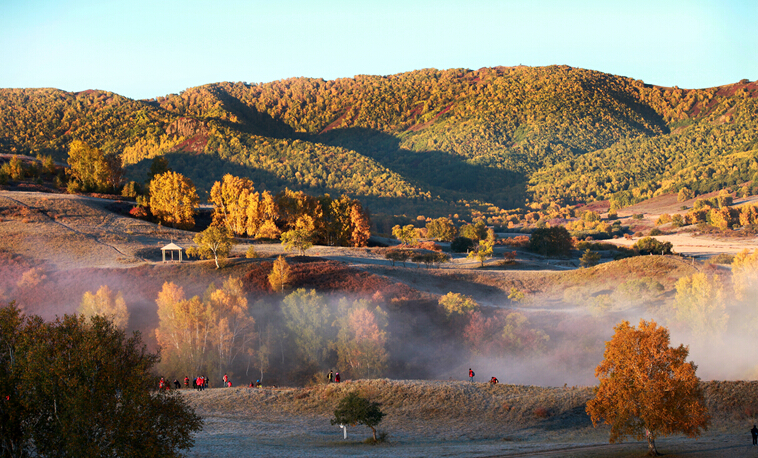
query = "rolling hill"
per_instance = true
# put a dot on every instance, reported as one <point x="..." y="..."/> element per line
<point x="428" y="141"/>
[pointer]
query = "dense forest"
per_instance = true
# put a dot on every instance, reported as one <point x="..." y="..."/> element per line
<point x="424" y="142"/>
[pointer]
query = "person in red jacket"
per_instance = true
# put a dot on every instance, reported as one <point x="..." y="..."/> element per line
<point x="337" y="377"/>
<point x="470" y="375"/>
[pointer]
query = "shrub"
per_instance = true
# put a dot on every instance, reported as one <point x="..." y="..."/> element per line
<point x="655" y="231"/>
<point x="722" y="258"/>
<point x="251" y="253"/>
<point x="663" y="219"/>
<point x="551" y="241"/>
<point x="649" y="245"/>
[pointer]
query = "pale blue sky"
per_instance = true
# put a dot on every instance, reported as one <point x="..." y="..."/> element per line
<point x="144" y="49"/>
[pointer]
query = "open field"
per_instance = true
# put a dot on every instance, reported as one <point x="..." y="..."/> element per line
<point x="434" y="418"/>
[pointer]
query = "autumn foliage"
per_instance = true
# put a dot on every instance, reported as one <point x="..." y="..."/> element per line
<point x="647" y="388"/>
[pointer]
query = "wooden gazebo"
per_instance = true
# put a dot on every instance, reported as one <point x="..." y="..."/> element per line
<point x="171" y="248"/>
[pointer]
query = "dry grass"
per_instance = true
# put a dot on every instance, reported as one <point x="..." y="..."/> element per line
<point x="433" y="418"/>
<point x="427" y="408"/>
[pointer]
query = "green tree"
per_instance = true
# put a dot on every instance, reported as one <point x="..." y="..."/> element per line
<point x="484" y="249"/>
<point x="356" y="410"/>
<point x="308" y="318"/>
<point x="301" y="237"/>
<point x="552" y="241"/>
<point x="441" y="229"/>
<point x="684" y="194"/>
<point x="650" y="245"/>
<point x="173" y="200"/>
<point x="213" y="243"/>
<point x="475" y="232"/>
<point x="406" y="234"/>
<point x="589" y="258"/>
<point x="647" y="388"/>
<point x="461" y="244"/>
<point x="95" y="397"/>
<point x="398" y="255"/>
<point x="158" y="166"/>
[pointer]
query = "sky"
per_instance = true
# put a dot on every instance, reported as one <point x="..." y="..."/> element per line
<point x="144" y="49"/>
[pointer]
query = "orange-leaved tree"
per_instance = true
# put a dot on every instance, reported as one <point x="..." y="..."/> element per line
<point x="647" y="388"/>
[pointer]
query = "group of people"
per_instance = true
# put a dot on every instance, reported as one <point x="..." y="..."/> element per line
<point x="471" y="375"/>
<point x="198" y="383"/>
<point x="331" y="377"/>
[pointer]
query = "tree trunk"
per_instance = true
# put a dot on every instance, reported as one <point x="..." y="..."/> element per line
<point x="374" y="431"/>
<point x="651" y="450"/>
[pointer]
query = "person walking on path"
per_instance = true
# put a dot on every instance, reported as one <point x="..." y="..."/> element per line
<point x="754" y="432"/>
<point x="337" y="377"/>
<point x="330" y="377"/>
<point x="471" y="375"/>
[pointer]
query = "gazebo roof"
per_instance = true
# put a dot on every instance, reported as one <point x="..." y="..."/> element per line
<point x="172" y="246"/>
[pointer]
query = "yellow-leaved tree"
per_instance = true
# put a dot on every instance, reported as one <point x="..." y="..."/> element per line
<point x="185" y="330"/>
<point x="647" y="388"/>
<point x="279" y="277"/>
<point x="173" y="200"/>
<point x="234" y="329"/>
<point x="213" y="243"/>
<point x="745" y="274"/>
<point x="107" y="304"/>
<point x="230" y="198"/>
<point x="457" y="304"/>
<point x="700" y="305"/>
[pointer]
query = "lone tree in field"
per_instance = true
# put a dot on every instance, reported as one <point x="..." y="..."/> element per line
<point x="647" y="389"/>
<point x="213" y="243"/>
<point x="355" y="410"/>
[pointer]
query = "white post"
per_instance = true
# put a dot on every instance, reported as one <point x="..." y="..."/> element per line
<point x="344" y="431"/>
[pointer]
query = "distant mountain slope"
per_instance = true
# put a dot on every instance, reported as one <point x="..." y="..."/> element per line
<point x="423" y="139"/>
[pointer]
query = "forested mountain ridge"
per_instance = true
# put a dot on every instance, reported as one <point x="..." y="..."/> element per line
<point x="432" y="139"/>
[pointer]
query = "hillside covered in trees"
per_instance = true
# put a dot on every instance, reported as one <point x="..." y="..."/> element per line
<point x="428" y="141"/>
